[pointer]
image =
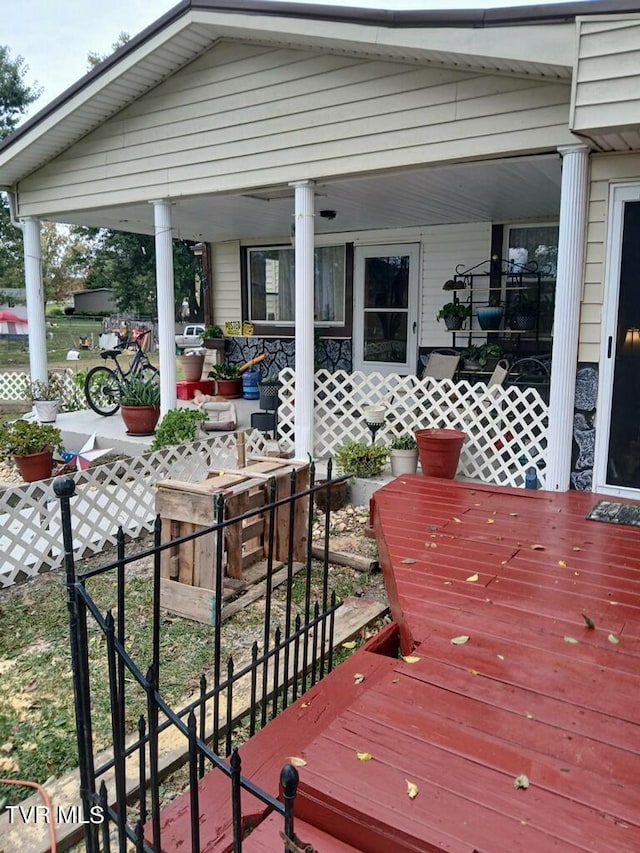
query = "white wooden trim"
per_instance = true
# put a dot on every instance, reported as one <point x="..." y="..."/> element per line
<point x="618" y="195"/>
<point x="35" y="300"/>
<point x="304" y="290"/>
<point x="166" y="305"/>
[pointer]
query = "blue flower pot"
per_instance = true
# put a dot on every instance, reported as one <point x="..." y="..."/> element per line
<point x="489" y="317"/>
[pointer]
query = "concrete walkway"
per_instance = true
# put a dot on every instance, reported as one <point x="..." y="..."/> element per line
<point x="110" y="432"/>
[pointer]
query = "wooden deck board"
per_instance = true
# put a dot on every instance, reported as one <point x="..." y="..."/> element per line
<point x="463" y="721"/>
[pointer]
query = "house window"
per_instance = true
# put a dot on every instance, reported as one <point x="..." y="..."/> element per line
<point x="271" y="274"/>
<point x="538" y="244"/>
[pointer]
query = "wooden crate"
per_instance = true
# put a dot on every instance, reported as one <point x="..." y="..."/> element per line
<point x="188" y="583"/>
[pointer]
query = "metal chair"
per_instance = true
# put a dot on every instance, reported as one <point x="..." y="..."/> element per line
<point x="441" y="366"/>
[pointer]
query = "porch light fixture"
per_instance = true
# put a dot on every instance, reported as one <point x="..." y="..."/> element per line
<point x="631" y="343"/>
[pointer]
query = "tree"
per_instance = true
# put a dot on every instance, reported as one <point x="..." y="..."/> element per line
<point x="15" y="96"/>
<point x="94" y="58"/>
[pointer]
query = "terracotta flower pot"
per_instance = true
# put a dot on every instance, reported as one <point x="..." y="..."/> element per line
<point x="229" y="389"/>
<point x="140" y="420"/>
<point x="35" y="466"/>
<point x="191" y="367"/>
<point x="439" y="451"/>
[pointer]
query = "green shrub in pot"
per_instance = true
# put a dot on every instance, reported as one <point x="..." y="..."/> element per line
<point x="360" y="459"/>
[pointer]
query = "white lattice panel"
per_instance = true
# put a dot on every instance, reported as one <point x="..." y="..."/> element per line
<point x="506" y="427"/>
<point x="107" y="496"/>
<point x="14" y="386"/>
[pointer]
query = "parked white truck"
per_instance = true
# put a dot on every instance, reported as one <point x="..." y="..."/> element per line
<point x="191" y="336"/>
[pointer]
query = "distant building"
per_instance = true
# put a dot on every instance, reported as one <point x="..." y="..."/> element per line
<point x="96" y="301"/>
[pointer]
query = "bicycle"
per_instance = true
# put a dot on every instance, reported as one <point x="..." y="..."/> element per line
<point x="103" y="385"/>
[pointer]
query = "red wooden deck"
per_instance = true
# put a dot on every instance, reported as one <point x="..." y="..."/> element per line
<point x="462" y="722"/>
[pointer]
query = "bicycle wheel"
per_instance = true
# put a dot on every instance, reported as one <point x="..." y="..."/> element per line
<point x="102" y="390"/>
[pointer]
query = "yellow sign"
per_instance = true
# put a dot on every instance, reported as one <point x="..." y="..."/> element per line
<point x="233" y="328"/>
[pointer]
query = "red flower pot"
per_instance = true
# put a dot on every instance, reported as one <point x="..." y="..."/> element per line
<point x="439" y="451"/>
<point x="229" y="389"/>
<point x="140" y="420"/>
<point x="35" y="466"/>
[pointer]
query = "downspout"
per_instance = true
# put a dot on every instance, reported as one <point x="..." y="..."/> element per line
<point x="13" y="210"/>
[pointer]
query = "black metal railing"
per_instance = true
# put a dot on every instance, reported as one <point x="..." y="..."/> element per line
<point x="292" y="659"/>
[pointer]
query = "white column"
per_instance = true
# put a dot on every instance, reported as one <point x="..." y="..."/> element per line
<point x="304" y="249"/>
<point x="166" y="305"/>
<point x="35" y="300"/>
<point x="564" y="357"/>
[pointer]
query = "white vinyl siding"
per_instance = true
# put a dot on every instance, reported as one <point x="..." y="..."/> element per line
<point x="244" y="116"/>
<point x="444" y="247"/>
<point x="226" y="282"/>
<point x="607" y="79"/>
<point x="605" y="169"/>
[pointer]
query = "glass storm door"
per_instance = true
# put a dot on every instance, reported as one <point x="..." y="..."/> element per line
<point x="617" y="467"/>
<point x="386" y="309"/>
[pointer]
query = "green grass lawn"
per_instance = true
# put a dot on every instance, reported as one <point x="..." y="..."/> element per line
<point x="63" y="334"/>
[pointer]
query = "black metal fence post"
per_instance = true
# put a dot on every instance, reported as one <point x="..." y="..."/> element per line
<point x="64" y="489"/>
<point x="289" y="779"/>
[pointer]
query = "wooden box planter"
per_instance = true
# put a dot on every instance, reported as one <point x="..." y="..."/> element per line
<point x="188" y="571"/>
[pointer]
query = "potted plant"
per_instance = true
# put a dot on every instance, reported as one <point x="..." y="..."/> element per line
<point x="140" y="404"/>
<point x="454" y="314"/>
<point x="360" y="459"/>
<point x="404" y="454"/>
<point x="522" y="313"/>
<point x="490" y="315"/>
<point x="213" y="337"/>
<point x="46" y="397"/>
<point x="228" y="380"/>
<point x="471" y="357"/>
<point x="31" y="444"/>
<point x="178" y="426"/>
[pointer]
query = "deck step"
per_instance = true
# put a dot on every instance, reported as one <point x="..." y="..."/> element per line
<point x="266" y="838"/>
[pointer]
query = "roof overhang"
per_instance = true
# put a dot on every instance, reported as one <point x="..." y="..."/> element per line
<point x="535" y="41"/>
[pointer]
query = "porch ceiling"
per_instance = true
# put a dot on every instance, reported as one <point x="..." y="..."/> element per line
<point x="523" y="188"/>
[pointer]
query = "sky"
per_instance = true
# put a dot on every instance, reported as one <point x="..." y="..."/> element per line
<point x="55" y="36"/>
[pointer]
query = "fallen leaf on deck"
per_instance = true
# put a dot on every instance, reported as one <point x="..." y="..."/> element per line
<point x="412" y="789"/>
<point x="570" y="640"/>
<point x="350" y="644"/>
<point x="521" y="781"/>
<point x="576" y="548"/>
<point x="537" y="547"/>
<point x="472" y="578"/>
<point x="364" y="756"/>
<point x="561" y="563"/>
<point x="491" y="521"/>
<point x="500" y="657"/>
<point x="358" y="678"/>
<point x="473" y="672"/>
<point x="408" y="560"/>
<point x="296" y="761"/>
<point x="514" y="514"/>
<point x="395" y="680"/>
<point x="588" y="621"/>
<point x="410" y="658"/>
<point x="457" y="520"/>
<point x="432" y="528"/>
<point x="305" y="704"/>
<point x="461" y="640"/>
<point x="529" y="716"/>
<point x="613" y="639"/>
<point x="565" y="770"/>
